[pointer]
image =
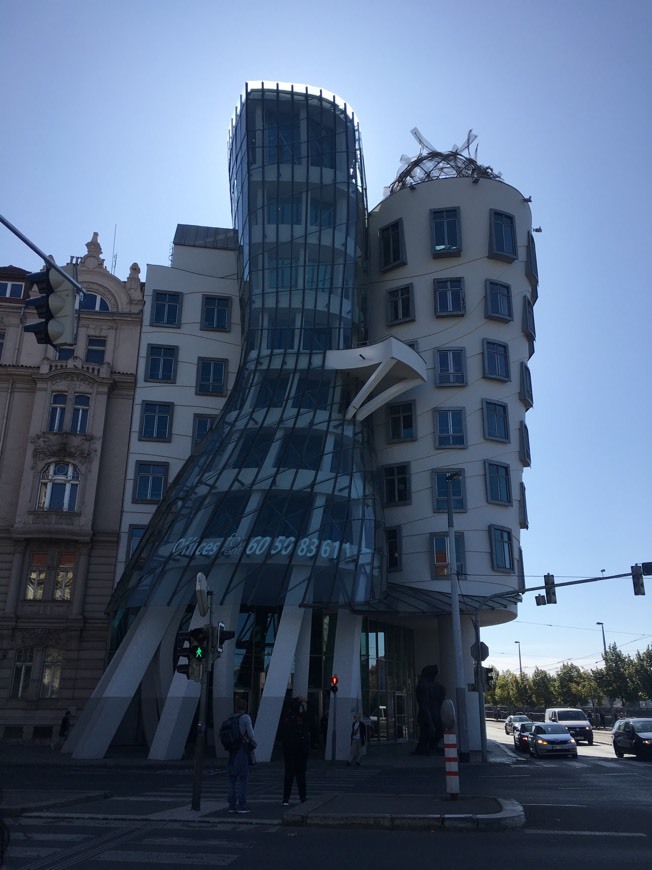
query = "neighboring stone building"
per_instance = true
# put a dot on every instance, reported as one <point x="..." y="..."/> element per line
<point x="63" y="449"/>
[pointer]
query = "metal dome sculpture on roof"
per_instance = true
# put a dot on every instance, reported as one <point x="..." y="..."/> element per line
<point x="431" y="164"/>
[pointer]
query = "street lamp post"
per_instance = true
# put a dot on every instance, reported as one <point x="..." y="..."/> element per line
<point x="520" y="665"/>
<point x="604" y="642"/>
<point x="460" y="694"/>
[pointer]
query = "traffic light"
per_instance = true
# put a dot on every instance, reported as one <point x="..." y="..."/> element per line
<point x="637" y="578"/>
<point x="551" y="592"/>
<point x="55" y="307"/>
<point x="489" y="679"/>
<point x="220" y="635"/>
<point x="334" y="684"/>
<point x="199" y="645"/>
<point x="182" y="650"/>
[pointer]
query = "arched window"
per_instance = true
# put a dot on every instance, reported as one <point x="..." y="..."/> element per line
<point x="58" y="487"/>
<point x="93" y="302"/>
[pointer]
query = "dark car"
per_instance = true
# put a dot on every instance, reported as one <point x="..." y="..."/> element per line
<point x="512" y="720"/>
<point x="551" y="738"/>
<point x="520" y="734"/>
<point x="632" y="736"/>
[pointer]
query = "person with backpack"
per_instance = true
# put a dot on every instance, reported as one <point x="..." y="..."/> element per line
<point x="295" y="740"/>
<point x="237" y="736"/>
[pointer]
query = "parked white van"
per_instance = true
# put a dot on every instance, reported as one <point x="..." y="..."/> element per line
<point x="573" y="719"/>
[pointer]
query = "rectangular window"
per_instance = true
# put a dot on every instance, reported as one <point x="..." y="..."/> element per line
<point x="37" y="575"/>
<point x="166" y="308"/>
<point x="502" y="237"/>
<point x="57" y="412"/>
<point x="449" y="297"/>
<point x="285" y="210"/>
<point x="397" y="484"/>
<point x="440" y="560"/>
<point x="302" y="449"/>
<point x="450" y="427"/>
<point x="319" y="276"/>
<point x="529" y="329"/>
<point x="321" y="144"/>
<point x="156" y="421"/>
<point x="134" y="538"/>
<point x="440" y="488"/>
<point x="498" y="301"/>
<point x="525" y="393"/>
<point x="313" y="391"/>
<point x="400" y="304"/>
<point x="524" y="523"/>
<point x="495" y="358"/>
<point x="393" y="548"/>
<point x="96" y="350"/>
<point x="272" y="391"/>
<point x="450" y="366"/>
<point x="282" y="137"/>
<point x="64" y="575"/>
<point x="80" y="414"/>
<point x="502" y="549"/>
<point x="496" y="420"/>
<point x="201" y="423"/>
<point x="531" y="267"/>
<point x="282" y="272"/>
<point x="161" y="363"/>
<point x="322" y="212"/>
<point x="498" y="483"/>
<point x="392" y="246"/>
<point x="216" y="313"/>
<point x="280" y="334"/>
<point x="22" y="672"/>
<point x="446" y="232"/>
<point x="11" y="289"/>
<point x="211" y="377"/>
<point x="401" y="422"/>
<point x="51" y="674"/>
<point x="150" y="481"/>
<point x="253" y="449"/>
<point x="3" y="336"/>
<point x="524" y="445"/>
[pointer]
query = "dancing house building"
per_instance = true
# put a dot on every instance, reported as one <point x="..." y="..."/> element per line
<point x="382" y="354"/>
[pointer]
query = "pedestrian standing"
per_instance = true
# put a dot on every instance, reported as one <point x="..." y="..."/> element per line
<point x="64" y="729"/>
<point x="358" y="740"/>
<point x="295" y="740"/>
<point x="238" y="765"/>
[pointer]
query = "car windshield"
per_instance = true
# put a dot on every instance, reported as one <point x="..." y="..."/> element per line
<point x="570" y="715"/>
<point x="642" y="727"/>
<point x="526" y="726"/>
<point x="520" y="719"/>
<point x="553" y="728"/>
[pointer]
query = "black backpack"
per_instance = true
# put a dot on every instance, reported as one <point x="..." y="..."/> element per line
<point x="230" y="734"/>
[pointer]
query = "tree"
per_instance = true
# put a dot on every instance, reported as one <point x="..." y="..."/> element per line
<point x="642" y="672"/>
<point x="620" y="678"/>
<point x="569" y="685"/>
<point x="543" y="688"/>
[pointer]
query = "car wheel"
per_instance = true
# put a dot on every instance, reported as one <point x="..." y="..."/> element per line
<point x="506" y="731"/>
<point x="619" y="753"/>
<point x="590" y="740"/>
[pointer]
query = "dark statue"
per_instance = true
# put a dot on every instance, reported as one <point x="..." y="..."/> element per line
<point x="429" y="693"/>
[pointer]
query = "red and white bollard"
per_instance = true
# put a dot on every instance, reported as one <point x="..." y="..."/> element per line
<point x="452" y="770"/>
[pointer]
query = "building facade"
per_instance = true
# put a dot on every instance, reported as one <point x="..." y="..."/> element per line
<point x="382" y="354"/>
<point x="63" y="445"/>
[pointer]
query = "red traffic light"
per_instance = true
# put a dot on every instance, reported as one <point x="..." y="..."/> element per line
<point x="334" y="682"/>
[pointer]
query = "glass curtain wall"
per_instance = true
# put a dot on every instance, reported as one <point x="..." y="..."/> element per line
<point x="279" y="499"/>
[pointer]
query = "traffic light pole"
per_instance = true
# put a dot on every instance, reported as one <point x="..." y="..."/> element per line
<point x="200" y="740"/>
<point x="48" y="260"/>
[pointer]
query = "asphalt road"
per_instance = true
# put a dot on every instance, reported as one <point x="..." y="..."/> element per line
<point x="586" y="814"/>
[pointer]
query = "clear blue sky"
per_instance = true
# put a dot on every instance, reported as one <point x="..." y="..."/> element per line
<point x="115" y="120"/>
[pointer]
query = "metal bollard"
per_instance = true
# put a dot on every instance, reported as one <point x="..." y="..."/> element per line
<point x="452" y="770"/>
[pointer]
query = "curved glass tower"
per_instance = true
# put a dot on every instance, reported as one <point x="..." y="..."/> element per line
<point x="278" y="503"/>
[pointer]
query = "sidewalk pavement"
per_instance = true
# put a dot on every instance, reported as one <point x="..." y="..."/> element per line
<point x="394" y="790"/>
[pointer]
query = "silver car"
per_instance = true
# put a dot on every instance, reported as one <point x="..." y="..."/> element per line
<point x="551" y="738"/>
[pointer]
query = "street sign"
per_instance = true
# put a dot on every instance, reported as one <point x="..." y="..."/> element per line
<point x="484" y="652"/>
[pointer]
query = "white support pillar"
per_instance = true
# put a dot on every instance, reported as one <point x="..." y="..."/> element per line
<point x="104" y="710"/>
<point x="346" y="664"/>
